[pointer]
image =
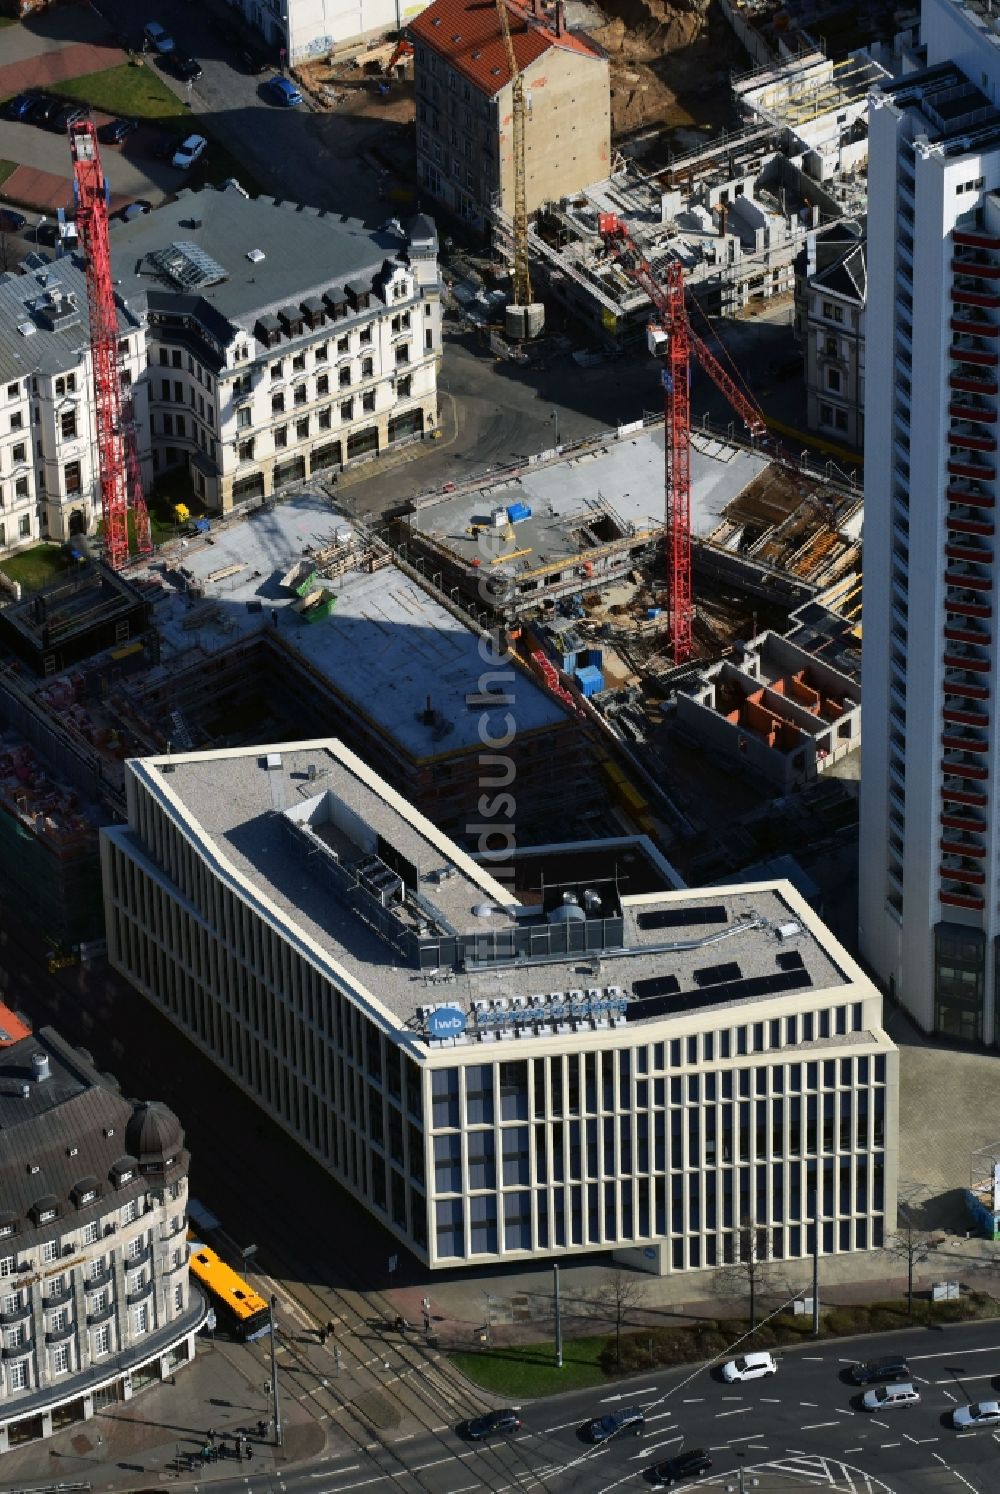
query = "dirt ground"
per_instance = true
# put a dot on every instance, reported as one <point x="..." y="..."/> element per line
<point x="354" y="87"/>
<point x="670" y="64"/>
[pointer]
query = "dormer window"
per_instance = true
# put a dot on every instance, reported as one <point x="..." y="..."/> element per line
<point x="45" y="1216"/>
<point x="124" y="1177"/>
<point x="72" y="1151"/>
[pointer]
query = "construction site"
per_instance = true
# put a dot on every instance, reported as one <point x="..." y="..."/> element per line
<point x="734" y="211"/>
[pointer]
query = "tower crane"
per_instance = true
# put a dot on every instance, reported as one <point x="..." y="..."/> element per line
<point x="672" y="336"/>
<point x="519" y="109"/>
<point x="118" y="461"/>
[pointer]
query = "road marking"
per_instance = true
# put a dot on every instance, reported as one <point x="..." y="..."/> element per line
<point x="950" y="1396"/>
<point x="952" y="1378"/>
<point x="564" y="1424"/>
<point x="955" y="1473"/>
<point x="814" y="1426"/>
<point x="646" y="1390"/>
<point x="771" y="1400"/>
<point x="877" y="1423"/>
<point x="954" y="1354"/>
<point x="749" y="1438"/>
<point x="442" y="1428"/>
<point x="739" y="1411"/>
<point x="853" y="1449"/>
<point x="814" y="1405"/>
<point x="732" y="1397"/>
<point x="647" y="1451"/>
<point x="692" y="1400"/>
<point x="813" y="1358"/>
<point x="890" y="1444"/>
<point x="406" y="1437"/>
<point x="842" y="1411"/>
<point x="659" y="1416"/>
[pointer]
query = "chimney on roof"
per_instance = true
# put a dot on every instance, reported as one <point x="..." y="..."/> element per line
<point x="560" y="18"/>
<point x="39" y="1067"/>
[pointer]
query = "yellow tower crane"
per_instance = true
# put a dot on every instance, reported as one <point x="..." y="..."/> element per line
<point x="522" y="277"/>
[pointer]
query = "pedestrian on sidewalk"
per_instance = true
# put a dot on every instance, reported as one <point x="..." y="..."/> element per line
<point x="331" y="1328"/>
<point x="322" y="1337"/>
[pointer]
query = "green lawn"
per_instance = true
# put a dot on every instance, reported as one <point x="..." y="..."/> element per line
<point x="6" y="167"/>
<point x="529" y="1369"/>
<point x="36" y="567"/>
<point x="136" y="92"/>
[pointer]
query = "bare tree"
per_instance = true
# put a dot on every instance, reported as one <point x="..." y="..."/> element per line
<point x="618" y="1297"/>
<point x="747" y="1275"/>
<point x="911" y="1245"/>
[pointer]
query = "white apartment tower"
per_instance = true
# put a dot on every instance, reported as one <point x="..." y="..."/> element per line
<point x="930" y="839"/>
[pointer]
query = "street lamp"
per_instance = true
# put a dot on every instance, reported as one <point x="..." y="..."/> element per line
<point x="555" y="419"/>
<point x="272" y="1304"/>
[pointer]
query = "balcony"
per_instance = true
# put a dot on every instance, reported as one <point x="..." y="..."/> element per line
<point x="962" y="742"/>
<point x="16" y="1315"/>
<point x="978" y="471"/>
<point x="977" y="555"/>
<point x="963" y="822"/>
<point x="969" y="385"/>
<point x="979" y="269"/>
<point x="968" y="238"/>
<point x="962" y="848"/>
<point x="970" y="348"/>
<point x="964" y="796"/>
<point x="968" y="609"/>
<point x="971" y="440"/>
<point x="966" y="718"/>
<point x="958" y="768"/>
<point x="18" y="1351"/>
<point x="968" y="689"/>
<point x="955" y="660"/>
<point x="960" y="900"/>
<point x="965" y="524"/>
<point x="971" y="326"/>
<point x="978" y="636"/>
<point x="963" y="873"/>
<point x="969" y="499"/>
<point x="982" y="414"/>
<point x="98" y="1279"/>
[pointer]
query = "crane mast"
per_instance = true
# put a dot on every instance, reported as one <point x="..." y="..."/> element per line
<point x="116" y="447"/>
<point x="672" y="323"/>
<point x="522" y="276"/>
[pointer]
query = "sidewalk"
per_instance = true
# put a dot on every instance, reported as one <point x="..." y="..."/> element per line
<point x="161" y="1431"/>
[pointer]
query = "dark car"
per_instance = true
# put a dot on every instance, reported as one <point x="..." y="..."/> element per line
<point x="120" y="129"/>
<point x="66" y="115"/>
<point x="42" y="110"/>
<point x="629" y="1419"/>
<point x="10" y="221"/>
<point x="880" y="1371"/>
<point x="493" y="1424"/>
<point x="691" y="1464"/>
<point x="18" y="106"/>
<point x="186" y="68"/>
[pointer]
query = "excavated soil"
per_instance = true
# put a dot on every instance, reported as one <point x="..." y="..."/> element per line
<point x="670" y="63"/>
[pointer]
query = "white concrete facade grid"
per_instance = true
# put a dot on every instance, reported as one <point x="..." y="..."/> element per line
<point x="929" y="820"/>
<point x="673" y="1131"/>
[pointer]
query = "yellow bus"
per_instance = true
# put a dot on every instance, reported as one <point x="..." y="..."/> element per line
<point x="237" y="1304"/>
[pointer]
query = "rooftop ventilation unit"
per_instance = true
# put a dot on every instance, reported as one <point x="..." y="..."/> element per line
<point x="27" y="329"/>
<point x="255" y="256"/>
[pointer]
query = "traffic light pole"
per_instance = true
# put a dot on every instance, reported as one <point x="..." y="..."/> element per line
<point x="274" y="1373"/>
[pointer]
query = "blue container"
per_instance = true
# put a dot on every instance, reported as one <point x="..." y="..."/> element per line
<point x="590" y="680"/>
<point x="202" y="526"/>
<point x="518" y="511"/>
<point x="652" y="612"/>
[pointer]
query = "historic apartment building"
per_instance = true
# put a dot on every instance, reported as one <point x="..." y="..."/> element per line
<point x="498" y="1080"/>
<point x="260" y="343"/>
<point x="830" y="295"/>
<point x="929" y="908"/>
<point x="48" y="430"/>
<point x="465" y="152"/>
<point x="94" y="1294"/>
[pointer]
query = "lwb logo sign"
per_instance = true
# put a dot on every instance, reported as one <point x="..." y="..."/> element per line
<point x="446" y="1022"/>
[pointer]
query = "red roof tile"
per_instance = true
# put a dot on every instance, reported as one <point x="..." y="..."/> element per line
<point x="12" y="1029"/>
<point x="467" y="33"/>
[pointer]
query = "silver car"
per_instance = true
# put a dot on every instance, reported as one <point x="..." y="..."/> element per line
<point x="979" y="1414"/>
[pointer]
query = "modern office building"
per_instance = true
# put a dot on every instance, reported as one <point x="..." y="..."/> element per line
<point x="501" y="1080"/>
<point x="929" y="910"/>
<point x="94" y="1295"/>
<point x="465" y="140"/>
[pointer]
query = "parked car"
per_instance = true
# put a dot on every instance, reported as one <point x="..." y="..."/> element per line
<point x="11" y="221"/>
<point x="891" y="1398"/>
<point x="492" y="1424"/>
<point x="185" y="67"/>
<point x="158" y="38"/>
<point x="190" y="151"/>
<point x="120" y="129"/>
<point x="629" y="1419"/>
<point x="41" y="111"/>
<point x="878" y="1371"/>
<point x="64" y="116"/>
<point x="284" y="92"/>
<point x="749" y="1367"/>
<point x="979" y="1414"/>
<point x="18" y="106"/>
<point x="135" y="210"/>
<point x="694" y="1463"/>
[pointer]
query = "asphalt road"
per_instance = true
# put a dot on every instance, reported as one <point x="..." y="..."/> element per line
<point x="801" y="1429"/>
<point x="294" y="154"/>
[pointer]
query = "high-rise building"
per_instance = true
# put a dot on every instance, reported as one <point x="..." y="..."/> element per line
<point x="929" y="911"/>
<point x="499" y="1078"/>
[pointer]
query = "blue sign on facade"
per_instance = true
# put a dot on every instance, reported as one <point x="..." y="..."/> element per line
<point x="446" y="1022"/>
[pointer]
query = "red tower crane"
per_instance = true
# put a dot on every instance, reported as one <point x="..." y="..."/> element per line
<point x="672" y="323"/>
<point x="118" y="461"/>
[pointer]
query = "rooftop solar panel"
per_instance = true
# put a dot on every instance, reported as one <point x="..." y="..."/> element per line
<point x="676" y="918"/>
<point x="717" y="975"/>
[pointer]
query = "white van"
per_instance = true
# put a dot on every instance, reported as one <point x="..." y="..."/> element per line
<point x="891" y="1397"/>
